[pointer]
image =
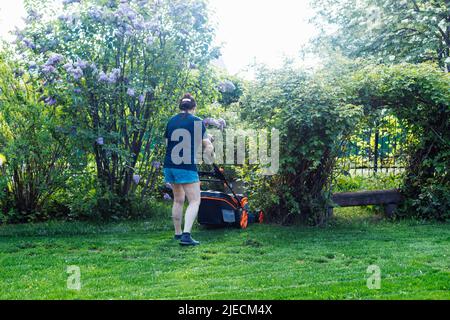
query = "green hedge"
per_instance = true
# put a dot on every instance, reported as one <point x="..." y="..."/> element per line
<point x="316" y="113"/>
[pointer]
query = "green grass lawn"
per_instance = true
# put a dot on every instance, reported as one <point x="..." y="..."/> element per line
<point x="138" y="260"/>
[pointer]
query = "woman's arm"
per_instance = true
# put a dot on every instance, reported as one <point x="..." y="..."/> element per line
<point x="208" y="150"/>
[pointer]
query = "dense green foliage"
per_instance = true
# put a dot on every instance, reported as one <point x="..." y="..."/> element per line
<point x="140" y="261"/>
<point x="380" y="181"/>
<point x="38" y="156"/>
<point x="418" y="94"/>
<point x="391" y="31"/>
<point x="85" y="98"/>
<point x="316" y="114"/>
<point x="115" y="70"/>
<point x="313" y="117"/>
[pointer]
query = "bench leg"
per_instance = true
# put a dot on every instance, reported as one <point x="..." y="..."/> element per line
<point x="330" y="212"/>
<point x="389" y="209"/>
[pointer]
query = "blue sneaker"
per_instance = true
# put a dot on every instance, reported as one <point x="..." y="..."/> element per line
<point x="177" y="237"/>
<point x="186" y="240"/>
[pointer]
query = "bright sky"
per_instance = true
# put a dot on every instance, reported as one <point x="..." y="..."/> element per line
<point x="11" y="12"/>
<point x="264" y="31"/>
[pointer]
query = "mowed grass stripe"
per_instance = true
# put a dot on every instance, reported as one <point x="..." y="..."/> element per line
<point x="132" y="260"/>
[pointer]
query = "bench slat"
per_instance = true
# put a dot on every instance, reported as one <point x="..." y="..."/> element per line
<point x="366" y="198"/>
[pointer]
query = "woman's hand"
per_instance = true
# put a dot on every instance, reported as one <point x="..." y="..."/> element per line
<point x="211" y="138"/>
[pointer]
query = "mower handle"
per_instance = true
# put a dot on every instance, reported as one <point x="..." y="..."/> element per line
<point x="219" y="175"/>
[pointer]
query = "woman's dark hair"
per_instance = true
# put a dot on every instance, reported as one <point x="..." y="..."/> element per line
<point x="187" y="103"/>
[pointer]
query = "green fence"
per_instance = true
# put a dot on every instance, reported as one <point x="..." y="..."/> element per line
<point x="376" y="147"/>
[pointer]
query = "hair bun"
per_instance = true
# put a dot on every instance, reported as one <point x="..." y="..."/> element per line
<point x="187" y="102"/>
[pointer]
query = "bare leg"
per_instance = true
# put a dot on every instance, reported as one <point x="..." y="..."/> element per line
<point x="178" y="205"/>
<point x="192" y="192"/>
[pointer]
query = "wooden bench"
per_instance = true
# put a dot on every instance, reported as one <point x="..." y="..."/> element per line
<point x="390" y="199"/>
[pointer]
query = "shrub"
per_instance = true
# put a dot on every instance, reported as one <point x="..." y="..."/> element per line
<point x="420" y="96"/>
<point x="317" y="113"/>
<point x="119" y="68"/>
<point x="313" y="118"/>
<point x="380" y="181"/>
<point x="38" y="154"/>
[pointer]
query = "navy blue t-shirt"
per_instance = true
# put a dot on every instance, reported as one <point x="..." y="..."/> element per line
<point x="184" y="133"/>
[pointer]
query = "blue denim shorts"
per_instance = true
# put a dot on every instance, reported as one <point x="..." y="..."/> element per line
<point x="180" y="176"/>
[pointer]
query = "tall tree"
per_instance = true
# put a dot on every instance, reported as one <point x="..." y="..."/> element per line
<point x="118" y="68"/>
<point x="389" y="30"/>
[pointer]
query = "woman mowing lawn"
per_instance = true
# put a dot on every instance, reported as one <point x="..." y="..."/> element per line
<point x="185" y="134"/>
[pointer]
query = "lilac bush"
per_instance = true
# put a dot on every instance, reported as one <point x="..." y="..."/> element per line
<point x="37" y="155"/>
<point x="118" y="69"/>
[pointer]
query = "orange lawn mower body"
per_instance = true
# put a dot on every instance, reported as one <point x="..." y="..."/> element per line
<point x="219" y="209"/>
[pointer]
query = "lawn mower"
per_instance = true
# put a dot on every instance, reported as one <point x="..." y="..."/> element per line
<point x="220" y="209"/>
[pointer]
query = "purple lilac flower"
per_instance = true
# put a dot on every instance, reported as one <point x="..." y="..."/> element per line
<point x="167" y="197"/>
<point x="68" y="66"/>
<point x="50" y="101"/>
<point x="76" y="73"/>
<point x="215" y="123"/>
<point x="77" y="90"/>
<point x="29" y="44"/>
<point x="125" y="29"/>
<point x="47" y="69"/>
<point x="136" y="178"/>
<point x="114" y="76"/>
<point x="141" y="99"/>
<point x="125" y="10"/>
<point x="211" y="122"/>
<point x="138" y="25"/>
<point x="54" y="59"/>
<point x="222" y="124"/>
<point x="153" y="25"/>
<point x="33" y="15"/>
<point x="112" y="79"/>
<point x="102" y="77"/>
<point x="100" y="141"/>
<point x="95" y="13"/>
<point x="18" y="33"/>
<point x="156" y="165"/>
<point x="131" y="92"/>
<point x="81" y="64"/>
